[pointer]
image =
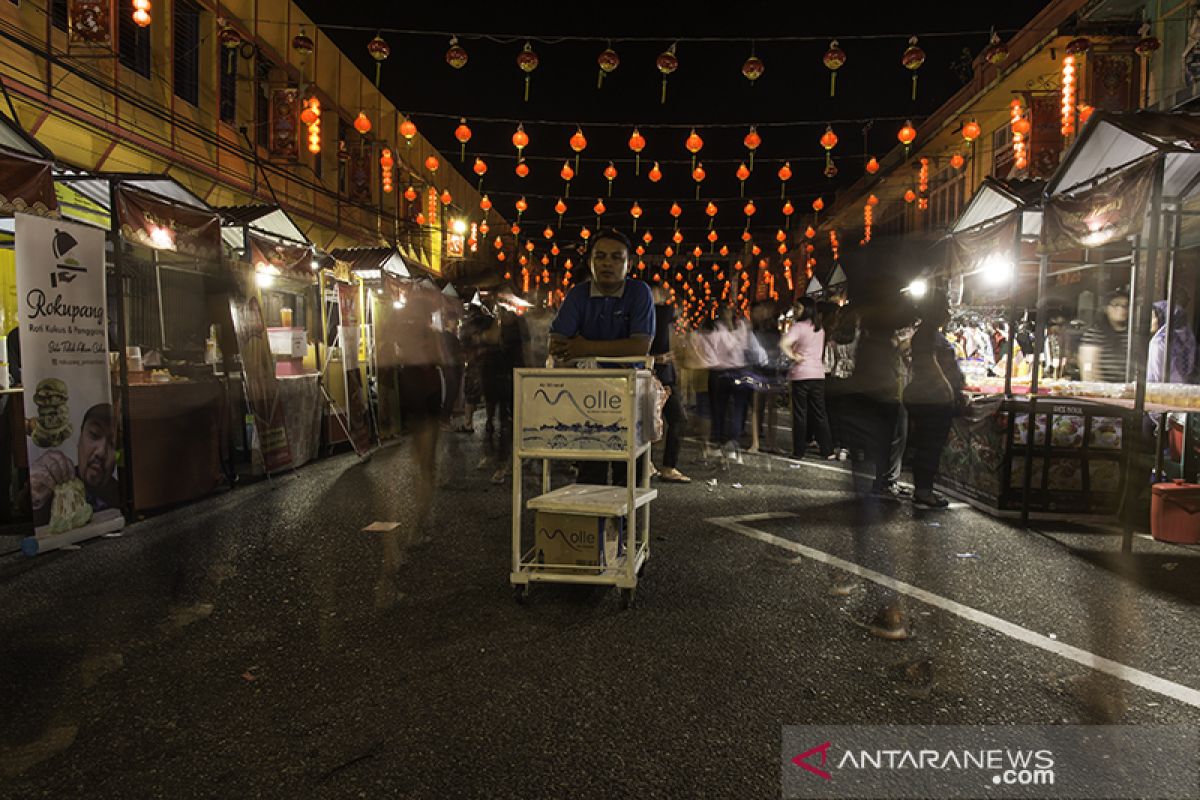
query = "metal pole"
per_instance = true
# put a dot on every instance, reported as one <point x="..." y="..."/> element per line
<point x="122" y="343"/>
<point x="1139" y="334"/>
<point x="1043" y="270"/>
<point x="1012" y="309"/>
<point x="1164" y="419"/>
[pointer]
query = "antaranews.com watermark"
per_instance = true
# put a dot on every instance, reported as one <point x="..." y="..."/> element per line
<point x="1002" y="761"/>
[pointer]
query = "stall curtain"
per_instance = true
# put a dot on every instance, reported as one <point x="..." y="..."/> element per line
<point x="147" y="220"/>
<point x="972" y="246"/>
<point x="284" y="257"/>
<point x="1111" y="210"/>
<point x="26" y="185"/>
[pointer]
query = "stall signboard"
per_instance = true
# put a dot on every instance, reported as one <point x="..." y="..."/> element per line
<point x="564" y="412"/>
<point x="1112" y="209"/>
<point x="258" y="376"/>
<point x="349" y="332"/>
<point x="147" y="220"/>
<point x="72" y="428"/>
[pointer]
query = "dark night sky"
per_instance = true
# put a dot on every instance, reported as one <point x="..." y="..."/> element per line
<point x="707" y="89"/>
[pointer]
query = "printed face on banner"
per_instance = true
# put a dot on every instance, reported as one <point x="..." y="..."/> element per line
<point x="69" y="417"/>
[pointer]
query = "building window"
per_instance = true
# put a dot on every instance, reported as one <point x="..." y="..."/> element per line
<point x="228" y="97"/>
<point x="133" y="44"/>
<point x="187" y="51"/>
<point x="262" y="104"/>
<point x="58" y="14"/>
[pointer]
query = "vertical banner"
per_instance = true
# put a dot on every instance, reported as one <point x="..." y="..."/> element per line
<point x="349" y="331"/>
<point x="284" y="121"/>
<point x="72" y="429"/>
<point x="258" y="375"/>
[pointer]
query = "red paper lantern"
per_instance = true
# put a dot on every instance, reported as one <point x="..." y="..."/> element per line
<point x="379" y="50"/>
<point x="578" y="141"/>
<point x="522" y="169"/>
<point x="585" y="234"/>
<point x="753" y="68"/>
<point x="749" y="210"/>
<point x="560" y="207"/>
<point x="912" y="59"/>
<point x="712" y="236"/>
<point x="420" y="218"/>
<point x="599" y="208"/>
<point x="386" y="162"/>
<point x="463" y="134"/>
<point x="676" y="211"/>
<point x="711" y="209"/>
<point x="667" y="63"/>
<point x="362" y="124"/>
<point x="446" y="198"/>
<point x="408" y="130"/>
<point x="456" y="56"/>
<point x="486" y="204"/>
<point x="608" y="61"/>
<point x="637" y="143"/>
<point x="694" y="144"/>
<point x="141" y="13"/>
<point x="996" y="53"/>
<point x="548" y="233"/>
<point x="971" y="131"/>
<point x="308" y="115"/>
<point x="834" y="58"/>
<point x="520" y="139"/>
<point x="809" y="232"/>
<point x="872" y="166"/>
<point x="432" y="164"/>
<point x="872" y="200"/>
<point x="788" y="209"/>
<point x="698" y="173"/>
<point x="655" y="173"/>
<point x="610" y="172"/>
<point x="818" y="204"/>
<point x="907" y="134"/>
<point x="785" y="172"/>
<point x="302" y="43"/>
<point x="742" y="172"/>
<point x="480" y="167"/>
<point x="909" y="196"/>
<point x="410" y="194"/>
<point x="957" y="161"/>
<point x="635" y="211"/>
<point x="527" y="60"/>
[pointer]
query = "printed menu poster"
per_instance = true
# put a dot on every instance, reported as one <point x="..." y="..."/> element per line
<point x="356" y="396"/>
<point x="72" y="430"/>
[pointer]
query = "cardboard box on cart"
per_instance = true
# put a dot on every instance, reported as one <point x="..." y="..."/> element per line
<point x="577" y="540"/>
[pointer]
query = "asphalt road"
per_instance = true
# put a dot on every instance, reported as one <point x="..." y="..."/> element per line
<point x="261" y="644"/>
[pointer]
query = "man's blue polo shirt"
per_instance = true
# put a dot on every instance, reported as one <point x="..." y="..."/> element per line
<point x="588" y="312"/>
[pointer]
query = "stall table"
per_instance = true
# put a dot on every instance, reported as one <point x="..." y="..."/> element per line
<point x="175" y="430"/>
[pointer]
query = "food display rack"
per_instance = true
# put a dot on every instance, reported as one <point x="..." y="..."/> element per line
<point x="598" y="414"/>
<point x="1077" y="472"/>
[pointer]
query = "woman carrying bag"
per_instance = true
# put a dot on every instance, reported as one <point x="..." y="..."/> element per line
<point x="804" y="344"/>
<point x="932" y="397"/>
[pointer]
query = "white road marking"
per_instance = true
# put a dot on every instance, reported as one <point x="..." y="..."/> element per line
<point x="1137" y="677"/>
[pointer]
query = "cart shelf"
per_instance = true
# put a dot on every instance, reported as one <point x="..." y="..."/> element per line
<point x="596" y="501"/>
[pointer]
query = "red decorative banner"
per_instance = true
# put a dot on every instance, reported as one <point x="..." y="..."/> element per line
<point x="148" y="220"/>
<point x="90" y="23"/>
<point x="285" y="258"/>
<point x="26" y="185"/>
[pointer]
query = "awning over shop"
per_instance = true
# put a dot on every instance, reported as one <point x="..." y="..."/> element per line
<point x="266" y="220"/>
<point x="997" y="199"/>
<point x="370" y="263"/>
<point x="1111" y="142"/>
<point x="152" y="210"/>
<point x="26" y="167"/>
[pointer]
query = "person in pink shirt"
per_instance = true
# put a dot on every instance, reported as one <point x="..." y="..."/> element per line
<point x="804" y="344"/>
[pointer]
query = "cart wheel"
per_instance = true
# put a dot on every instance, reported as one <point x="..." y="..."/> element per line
<point x="627" y="598"/>
<point x="520" y="593"/>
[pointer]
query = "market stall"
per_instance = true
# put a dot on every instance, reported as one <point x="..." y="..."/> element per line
<point x="379" y="270"/>
<point x="165" y="293"/>
<point x="1116" y="235"/>
<point x="265" y="241"/>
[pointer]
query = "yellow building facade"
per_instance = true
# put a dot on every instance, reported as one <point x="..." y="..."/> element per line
<point x="172" y="99"/>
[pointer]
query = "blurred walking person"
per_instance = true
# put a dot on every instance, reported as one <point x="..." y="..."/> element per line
<point x="932" y="397"/>
<point x="732" y="348"/>
<point x="804" y="344"/>
<point x="664" y="369"/>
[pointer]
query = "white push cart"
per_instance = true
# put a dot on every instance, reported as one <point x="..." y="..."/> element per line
<point x="603" y="414"/>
